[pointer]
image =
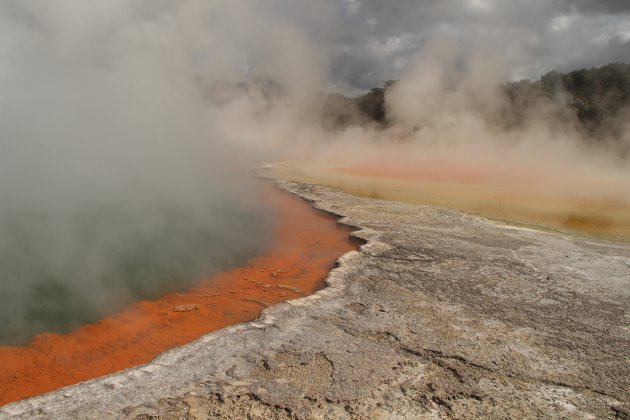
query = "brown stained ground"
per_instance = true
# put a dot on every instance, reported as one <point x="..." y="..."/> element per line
<point x="305" y="246"/>
<point x="588" y="206"/>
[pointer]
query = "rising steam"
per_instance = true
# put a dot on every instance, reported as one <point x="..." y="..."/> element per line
<point x="116" y="180"/>
<point x="127" y="127"/>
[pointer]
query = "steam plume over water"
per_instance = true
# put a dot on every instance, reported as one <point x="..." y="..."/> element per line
<point x="115" y="184"/>
<point x="126" y="127"/>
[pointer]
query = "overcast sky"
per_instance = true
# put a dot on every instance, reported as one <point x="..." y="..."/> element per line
<point x="355" y="44"/>
<point x="377" y="39"/>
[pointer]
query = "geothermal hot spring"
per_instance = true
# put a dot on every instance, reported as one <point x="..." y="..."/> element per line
<point x="162" y="288"/>
<point x="107" y="289"/>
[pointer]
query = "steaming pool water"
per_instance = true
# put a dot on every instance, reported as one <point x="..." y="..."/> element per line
<point x="60" y="272"/>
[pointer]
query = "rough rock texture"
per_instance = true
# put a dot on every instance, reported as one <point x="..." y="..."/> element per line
<point x="439" y="315"/>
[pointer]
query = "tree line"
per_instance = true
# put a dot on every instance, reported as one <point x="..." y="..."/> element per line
<point x="596" y="101"/>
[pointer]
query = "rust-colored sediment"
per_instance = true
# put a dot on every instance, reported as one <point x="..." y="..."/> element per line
<point x="567" y="201"/>
<point x="305" y="246"/>
<point x="554" y="200"/>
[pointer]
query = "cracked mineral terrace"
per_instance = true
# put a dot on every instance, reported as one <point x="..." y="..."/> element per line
<point x="439" y="315"/>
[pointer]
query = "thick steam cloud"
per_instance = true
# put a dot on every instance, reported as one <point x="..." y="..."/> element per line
<point x="117" y="181"/>
<point x="127" y="127"/>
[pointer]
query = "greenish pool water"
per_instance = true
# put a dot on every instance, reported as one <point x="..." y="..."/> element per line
<point x="62" y="270"/>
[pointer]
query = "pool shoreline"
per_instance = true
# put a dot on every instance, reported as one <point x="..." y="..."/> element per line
<point x="148" y="328"/>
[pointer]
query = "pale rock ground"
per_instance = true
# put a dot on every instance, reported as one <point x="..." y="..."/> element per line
<point x="439" y="315"/>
